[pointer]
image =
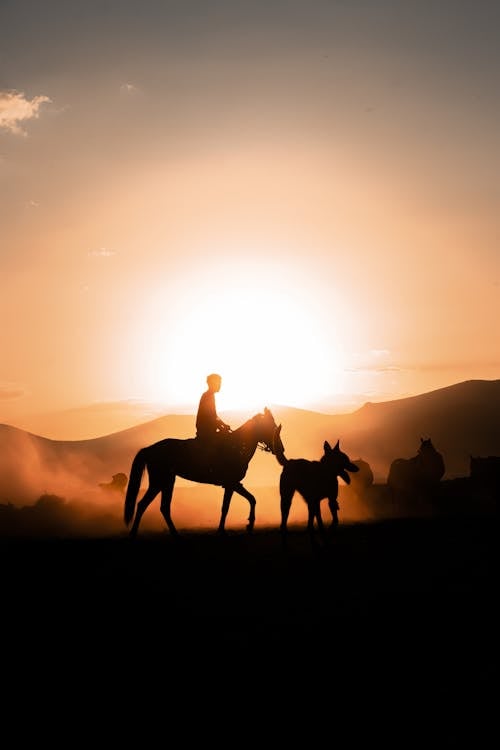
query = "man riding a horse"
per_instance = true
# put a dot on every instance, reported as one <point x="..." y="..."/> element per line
<point x="217" y="455"/>
<point x="173" y="457"/>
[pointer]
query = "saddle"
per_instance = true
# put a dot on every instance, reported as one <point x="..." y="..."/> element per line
<point x="213" y="455"/>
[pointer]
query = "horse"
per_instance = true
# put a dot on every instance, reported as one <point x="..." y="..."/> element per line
<point x="484" y="473"/>
<point x="187" y="458"/>
<point x="362" y="480"/>
<point x="117" y="484"/>
<point x="418" y="476"/>
<point x="314" y="481"/>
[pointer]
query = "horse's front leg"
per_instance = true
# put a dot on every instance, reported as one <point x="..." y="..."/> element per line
<point x="226" y="502"/>
<point x="251" y="499"/>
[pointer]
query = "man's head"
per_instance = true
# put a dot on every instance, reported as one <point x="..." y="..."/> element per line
<point x="214" y="381"/>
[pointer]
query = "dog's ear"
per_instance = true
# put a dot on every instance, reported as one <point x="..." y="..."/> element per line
<point x="337" y="447"/>
<point x="326" y="446"/>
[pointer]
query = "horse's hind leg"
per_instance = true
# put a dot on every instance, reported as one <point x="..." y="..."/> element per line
<point x="142" y="505"/>
<point x="166" y="500"/>
<point x="251" y="499"/>
<point x="226" y="501"/>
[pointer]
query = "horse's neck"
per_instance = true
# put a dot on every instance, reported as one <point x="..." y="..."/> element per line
<point x="430" y="456"/>
<point x="244" y="439"/>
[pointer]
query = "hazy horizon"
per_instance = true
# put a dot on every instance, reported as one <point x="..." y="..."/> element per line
<point x="98" y="419"/>
<point x="67" y="479"/>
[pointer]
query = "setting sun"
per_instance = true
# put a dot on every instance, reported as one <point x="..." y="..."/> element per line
<point x="256" y="323"/>
<point x="274" y="196"/>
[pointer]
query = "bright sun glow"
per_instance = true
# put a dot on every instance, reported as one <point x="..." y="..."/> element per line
<point x="259" y="325"/>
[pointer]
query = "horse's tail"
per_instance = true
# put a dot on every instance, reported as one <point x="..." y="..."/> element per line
<point x="134" y="484"/>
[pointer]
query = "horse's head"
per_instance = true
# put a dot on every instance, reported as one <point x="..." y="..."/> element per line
<point x="426" y="446"/>
<point x="268" y="433"/>
<point x="430" y="461"/>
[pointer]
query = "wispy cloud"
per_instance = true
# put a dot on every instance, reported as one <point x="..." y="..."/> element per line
<point x="102" y="252"/>
<point x="371" y="370"/>
<point x="16" y="109"/>
<point x="10" y="392"/>
<point x="128" y="88"/>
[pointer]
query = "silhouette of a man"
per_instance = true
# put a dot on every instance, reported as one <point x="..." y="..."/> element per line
<point x="209" y="426"/>
<point x="208" y="423"/>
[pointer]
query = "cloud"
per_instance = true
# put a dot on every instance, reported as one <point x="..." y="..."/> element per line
<point x="102" y="252"/>
<point x="128" y="88"/>
<point x="15" y="108"/>
<point x="9" y="392"/>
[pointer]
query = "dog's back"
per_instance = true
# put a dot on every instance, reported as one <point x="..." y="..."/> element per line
<point x="313" y="480"/>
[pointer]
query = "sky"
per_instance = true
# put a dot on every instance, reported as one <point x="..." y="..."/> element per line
<point x="301" y="196"/>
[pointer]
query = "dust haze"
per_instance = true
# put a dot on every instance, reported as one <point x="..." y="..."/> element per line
<point x="54" y="486"/>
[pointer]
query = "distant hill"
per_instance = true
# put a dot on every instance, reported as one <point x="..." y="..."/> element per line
<point x="461" y="420"/>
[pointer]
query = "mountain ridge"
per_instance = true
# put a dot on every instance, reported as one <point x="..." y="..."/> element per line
<point x="461" y="419"/>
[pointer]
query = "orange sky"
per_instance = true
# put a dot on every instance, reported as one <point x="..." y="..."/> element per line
<point x="301" y="196"/>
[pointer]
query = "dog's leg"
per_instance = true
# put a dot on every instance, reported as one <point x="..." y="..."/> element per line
<point x="314" y="514"/>
<point x="334" y="508"/>
<point x="319" y="518"/>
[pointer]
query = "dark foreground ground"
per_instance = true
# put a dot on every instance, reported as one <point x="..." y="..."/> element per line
<point x="399" y="614"/>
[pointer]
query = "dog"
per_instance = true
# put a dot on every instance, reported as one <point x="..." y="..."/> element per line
<point x="314" y="481"/>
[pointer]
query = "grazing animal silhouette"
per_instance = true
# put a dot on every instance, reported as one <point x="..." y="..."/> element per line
<point x="485" y="477"/>
<point x="172" y="457"/>
<point x="419" y="476"/>
<point x="118" y="483"/>
<point x="361" y="480"/>
<point x="314" y="481"/>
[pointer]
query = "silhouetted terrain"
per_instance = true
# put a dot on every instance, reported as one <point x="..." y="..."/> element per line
<point x="396" y="615"/>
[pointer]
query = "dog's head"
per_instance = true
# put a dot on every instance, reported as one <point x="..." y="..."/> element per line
<point x="338" y="461"/>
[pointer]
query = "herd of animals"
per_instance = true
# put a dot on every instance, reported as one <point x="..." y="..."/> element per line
<point x="314" y="480"/>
